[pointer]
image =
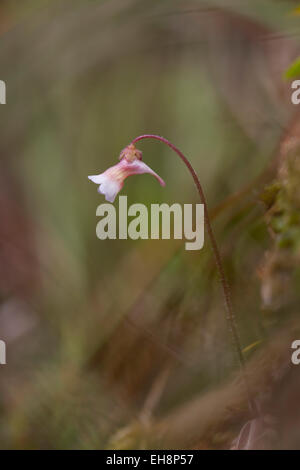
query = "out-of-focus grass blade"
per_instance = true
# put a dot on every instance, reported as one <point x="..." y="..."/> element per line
<point x="294" y="69"/>
<point x="251" y="346"/>
<point x="296" y="11"/>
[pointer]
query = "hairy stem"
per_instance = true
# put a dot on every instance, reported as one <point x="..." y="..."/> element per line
<point x="225" y="286"/>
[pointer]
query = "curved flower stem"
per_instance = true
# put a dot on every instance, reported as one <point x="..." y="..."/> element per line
<point x="218" y="260"/>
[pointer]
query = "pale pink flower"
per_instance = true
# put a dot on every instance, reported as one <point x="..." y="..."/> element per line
<point x="112" y="180"/>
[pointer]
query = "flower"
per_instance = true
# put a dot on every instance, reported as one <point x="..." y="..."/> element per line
<point x="112" y="180"/>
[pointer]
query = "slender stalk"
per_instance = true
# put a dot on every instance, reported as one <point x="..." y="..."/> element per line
<point x="218" y="259"/>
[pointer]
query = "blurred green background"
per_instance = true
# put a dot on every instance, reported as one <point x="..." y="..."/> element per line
<point x="108" y="340"/>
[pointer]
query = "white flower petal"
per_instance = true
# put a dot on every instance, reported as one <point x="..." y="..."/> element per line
<point x="98" y="179"/>
<point x="110" y="189"/>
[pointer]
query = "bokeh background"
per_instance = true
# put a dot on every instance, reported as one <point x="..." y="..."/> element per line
<point x="124" y="344"/>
